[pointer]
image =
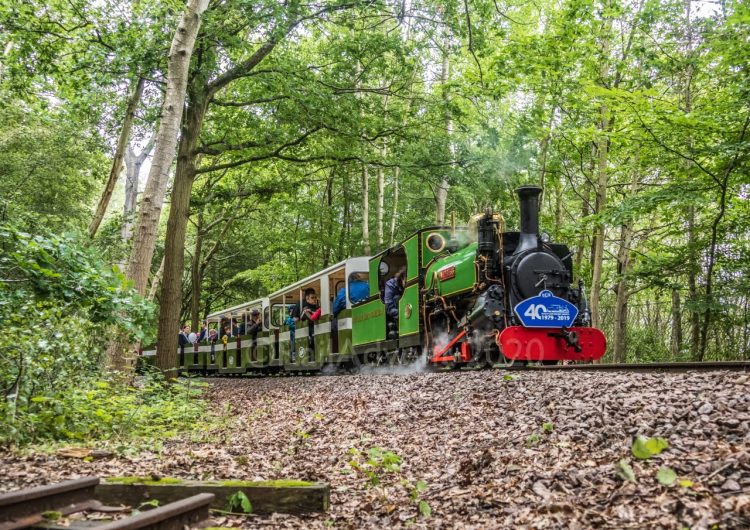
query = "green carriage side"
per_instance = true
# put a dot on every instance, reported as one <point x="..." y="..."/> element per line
<point x="328" y="340"/>
<point x="239" y="354"/>
<point x="417" y="254"/>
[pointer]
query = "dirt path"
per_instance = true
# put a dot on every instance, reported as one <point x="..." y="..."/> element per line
<point x="540" y="450"/>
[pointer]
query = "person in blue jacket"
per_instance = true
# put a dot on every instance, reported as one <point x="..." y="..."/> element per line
<point x="394" y="288"/>
<point x="358" y="291"/>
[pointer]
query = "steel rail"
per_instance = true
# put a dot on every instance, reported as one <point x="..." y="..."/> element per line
<point x="19" y="509"/>
<point x="25" y="508"/>
<point x="172" y="516"/>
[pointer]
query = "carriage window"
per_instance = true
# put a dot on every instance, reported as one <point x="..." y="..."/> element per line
<point x="267" y="317"/>
<point x="389" y="266"/>
<point x="279" y="313"/>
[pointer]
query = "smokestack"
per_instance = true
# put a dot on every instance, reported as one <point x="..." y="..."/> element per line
<point x="528" y="198"/>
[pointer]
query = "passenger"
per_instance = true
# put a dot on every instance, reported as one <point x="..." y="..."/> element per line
<point x="227" y="334"/>
<point x="358" y="291"/>
<point x="184" y="340"/>
<point x="241" y="329"/>
<point x="310" y="307"/>
<point x="252" y="329"/>
<point x="213" y="337"/>
<point x="203" y="335"/>
<point x="289" y="321"/>
<point x="310" y="312"/>
<point x="394" y="288"/>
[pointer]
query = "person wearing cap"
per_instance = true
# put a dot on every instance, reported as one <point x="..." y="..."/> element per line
<point x="253" y="327"/>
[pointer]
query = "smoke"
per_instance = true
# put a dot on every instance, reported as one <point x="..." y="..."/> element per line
<point x="394" y="365"/>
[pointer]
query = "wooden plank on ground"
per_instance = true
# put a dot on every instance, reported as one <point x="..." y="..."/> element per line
<point x="281" y="496"/>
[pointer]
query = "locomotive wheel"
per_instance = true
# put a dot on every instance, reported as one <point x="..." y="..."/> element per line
<point x="549" y="362"/>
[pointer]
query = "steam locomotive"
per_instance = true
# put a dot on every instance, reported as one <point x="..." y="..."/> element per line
<point x="508" y="296"/>
<point x="471" y="295"/>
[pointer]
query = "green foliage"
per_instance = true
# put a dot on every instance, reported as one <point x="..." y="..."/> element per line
<point x="666" y="476"/>
<point x="58" y="304"/>
<point x="239" y="501"/>
<point x="108" y="410"/>
<point x="49" y="166"/>
<point x="644" y="447"/>
<point x="375" y="463"/>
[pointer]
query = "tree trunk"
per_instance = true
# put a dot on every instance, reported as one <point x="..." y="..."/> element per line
<point x="599" y="229"/>
<point x="122" y="144"/>
<point x="623" y="269"/>
<point x="380" y="202"/>
<point x="144" y="241"/>
<point x="156" y="281"/>
<point x="676" y="339"/>
<point x="133" y="164"/>
<point x="344" y="234"/>
<point x="585" y="211"/>
<point x="621" y="301"/>
<point x="166" y="141"/>
<point x="544" y="149"/>
<point x="693" y="264"/>
<point x="179" y="211"/>
<point x="394" y="211"/>
<point x="195" y="274"/>
<point x="365" y="210"/>
<point x="441" y="193"/>
<point x="602" y="172"/>
<point x="326" y="217"/>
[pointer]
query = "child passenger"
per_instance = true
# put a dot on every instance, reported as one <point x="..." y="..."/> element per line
<point x="310" y="312"/>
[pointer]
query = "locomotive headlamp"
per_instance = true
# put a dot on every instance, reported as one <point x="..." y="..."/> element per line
<point x="545" y="237"/>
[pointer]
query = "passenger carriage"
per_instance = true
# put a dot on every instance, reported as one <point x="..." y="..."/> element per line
<point x="329" y="339"/>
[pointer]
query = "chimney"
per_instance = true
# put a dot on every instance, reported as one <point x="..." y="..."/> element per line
<point x="528" y="198"/>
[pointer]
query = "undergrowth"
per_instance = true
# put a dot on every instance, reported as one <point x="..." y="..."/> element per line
<point x="111" y="413"/>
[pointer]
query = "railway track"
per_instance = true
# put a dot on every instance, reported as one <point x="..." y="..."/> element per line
<point x="42" y="506"/>
<point x="385" y="369"/>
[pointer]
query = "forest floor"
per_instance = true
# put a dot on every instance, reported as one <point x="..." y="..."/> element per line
<point x="534" y="450"/>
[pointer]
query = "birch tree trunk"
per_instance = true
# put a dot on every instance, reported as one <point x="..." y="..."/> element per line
<point x="166" y="142"/>
<point x="380" y="202"/>
<point x="441" y="193"/>
<point x="156" y="282"/>
<point x="122" y="144"/>
<point x="602" y="174"/>
<point x="144" y="241"/>
<point x="394" y="211"/>
<point x="365" y="209"/>
<point x="133" y="164"/>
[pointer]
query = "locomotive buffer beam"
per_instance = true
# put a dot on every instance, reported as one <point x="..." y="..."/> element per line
<point x="570" y="337"/>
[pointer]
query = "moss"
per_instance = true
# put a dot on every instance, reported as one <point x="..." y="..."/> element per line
<point x="265" y="484"/>
<point x="52" y="516"/>
<point x="148" y="481"/>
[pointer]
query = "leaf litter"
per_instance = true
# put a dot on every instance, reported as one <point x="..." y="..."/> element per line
<point x="462" y="437"/>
